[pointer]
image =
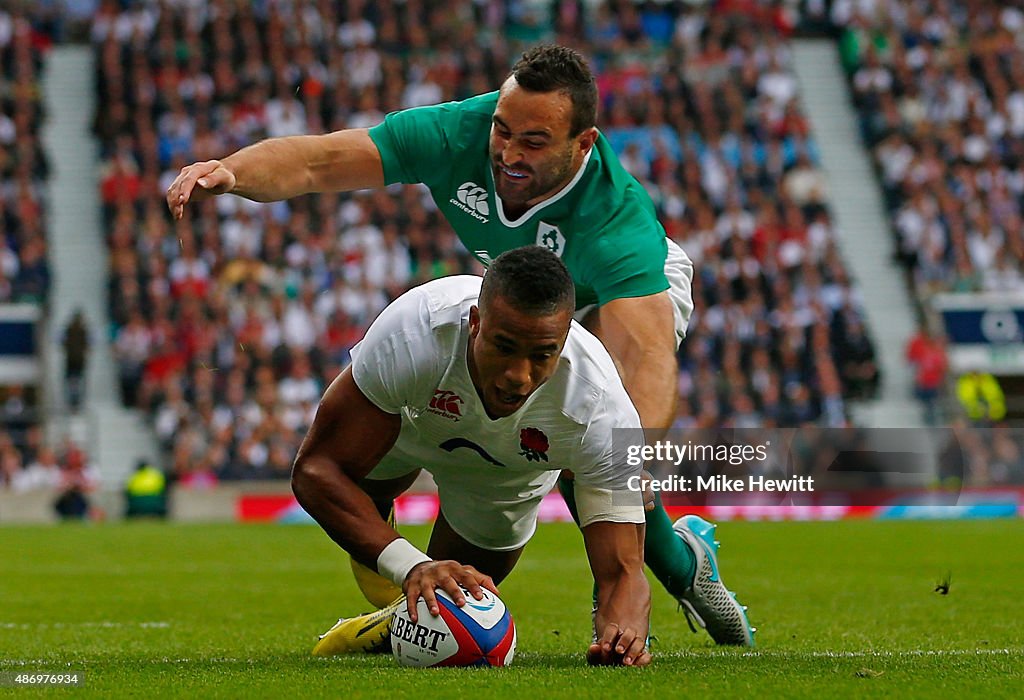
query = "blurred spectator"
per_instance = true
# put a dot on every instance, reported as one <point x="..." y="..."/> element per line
<point x="132" y="346"/>
<point x="15" y="410"/>
<point x="1007" y="462"/>
<point x="927" y="354"/>
<point x="805" y="184"/>
<point x="42" y="473"/>
<point x="855" y="357"/>
<point x="78" y="480"/>
<point x="11" y="462"/>
<point x="146" y="492"/>
<point x="981" y="397"/>
<point x="76" y="351"/>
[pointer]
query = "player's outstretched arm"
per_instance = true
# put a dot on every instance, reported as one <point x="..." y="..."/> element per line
<point x="622" y="619"/>
<point x="349" y="436"/>
<point x="282" y="168"/>
<point x="639" y="332"/>
<point x="347" y="439"/>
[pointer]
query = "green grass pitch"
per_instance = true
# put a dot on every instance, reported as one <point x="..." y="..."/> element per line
<point x="844" y="609"/>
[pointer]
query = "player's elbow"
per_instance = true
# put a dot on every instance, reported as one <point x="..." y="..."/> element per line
<point x="307" y="479"/>
<point x="300" y="478"/>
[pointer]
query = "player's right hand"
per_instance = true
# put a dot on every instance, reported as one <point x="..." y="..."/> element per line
<point x="447" y="575"/>
<point x="197" y="182"/>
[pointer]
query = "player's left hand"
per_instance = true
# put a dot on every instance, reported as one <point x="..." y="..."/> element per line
<point x="447" y="575"/>
<point x="621" y="621"/>
<point x="618" y="646"/>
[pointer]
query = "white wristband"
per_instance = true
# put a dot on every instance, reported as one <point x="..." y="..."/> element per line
<point x="397" y="559"/>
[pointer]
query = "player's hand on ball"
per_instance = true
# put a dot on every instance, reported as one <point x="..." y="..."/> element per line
<point x="619" y="646"/>
<point x="448" y="575"/>
<point x="196" y="182"/>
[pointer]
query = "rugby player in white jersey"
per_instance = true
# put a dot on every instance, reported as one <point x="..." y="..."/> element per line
<point x="493" y="389"/>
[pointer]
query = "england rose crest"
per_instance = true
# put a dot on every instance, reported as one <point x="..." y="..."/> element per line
<point x="534" y="444"/>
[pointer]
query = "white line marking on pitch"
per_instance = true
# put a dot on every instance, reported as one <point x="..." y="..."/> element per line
<point x="782" y="653"/>
<point x="767" y="653"/>
<point x="75" y="625"/>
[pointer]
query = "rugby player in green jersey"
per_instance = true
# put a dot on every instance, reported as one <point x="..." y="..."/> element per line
<point x="522" y="165"/>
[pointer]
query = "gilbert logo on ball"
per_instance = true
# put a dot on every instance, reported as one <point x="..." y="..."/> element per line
<point x="481" y="633"/>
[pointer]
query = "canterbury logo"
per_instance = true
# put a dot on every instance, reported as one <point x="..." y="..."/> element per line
<point x="472" y="195"/>
<point x="472" y="199"/>
<point x="455" y="443"/>
<point x="446" y="403"/>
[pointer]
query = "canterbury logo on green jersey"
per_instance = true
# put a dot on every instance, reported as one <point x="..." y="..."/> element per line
<point x="472" y="199"/>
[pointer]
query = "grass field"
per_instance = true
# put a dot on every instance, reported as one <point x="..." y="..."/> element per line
<point x="843" y="609"/>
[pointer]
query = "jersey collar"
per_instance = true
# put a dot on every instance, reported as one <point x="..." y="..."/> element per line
<point x="537" y="207"/>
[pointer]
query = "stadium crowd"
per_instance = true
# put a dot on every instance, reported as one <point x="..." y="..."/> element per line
<point x="24" y="168"/>
<point x="940" y="91"/>
<point x="228" y="324"/>
<point x="26" y="460"/>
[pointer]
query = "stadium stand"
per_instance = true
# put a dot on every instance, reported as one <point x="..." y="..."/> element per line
<point x="939" y="88"/>
<point x="269" y="296"/>
<point x="940" y="94"/>
<point x="28" y="461"/>
<point x="24" y="274"/>
<point x="229" y="323"/>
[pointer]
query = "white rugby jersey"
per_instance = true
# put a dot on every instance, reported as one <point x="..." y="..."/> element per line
<point x="412" y="362"/>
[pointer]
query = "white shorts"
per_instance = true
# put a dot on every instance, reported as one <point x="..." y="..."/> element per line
<point x="491" y="510"/>
<point x="679" y="271"/>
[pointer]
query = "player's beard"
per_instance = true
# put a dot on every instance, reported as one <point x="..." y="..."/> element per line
<point x="543" y="180"/>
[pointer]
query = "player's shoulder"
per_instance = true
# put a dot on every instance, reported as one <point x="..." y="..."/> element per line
<point x="589" y="380"/>
<point x="423" y="326"/>
<point x="479" y="106"/>
<point x="443" y="301"/>
<point x="463" y="121"/>
<point x="476" y="107"/>
<point x="611" y="197"/>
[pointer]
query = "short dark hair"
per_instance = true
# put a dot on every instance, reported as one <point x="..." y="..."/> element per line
<point x="549" y="68"/>
<point x="530" y="279"/>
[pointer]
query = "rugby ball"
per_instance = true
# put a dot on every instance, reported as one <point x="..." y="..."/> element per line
<point x="481" y="633"/>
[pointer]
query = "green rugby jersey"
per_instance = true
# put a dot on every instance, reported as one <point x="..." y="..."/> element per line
<point x="603" y="224"/>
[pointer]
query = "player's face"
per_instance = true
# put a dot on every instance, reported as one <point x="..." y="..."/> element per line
<point x="511" y="354"/>
<point x="532" y="154"/>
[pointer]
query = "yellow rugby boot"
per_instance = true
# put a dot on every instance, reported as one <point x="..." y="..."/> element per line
<point x="367" y="634"/>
